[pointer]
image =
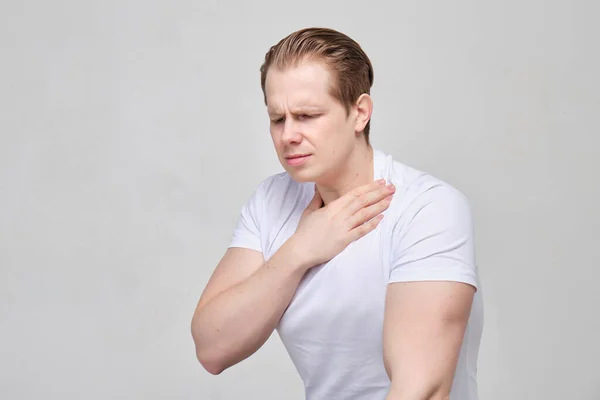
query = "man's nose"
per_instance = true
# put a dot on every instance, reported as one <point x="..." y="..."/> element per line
<point x="291" y="133"/>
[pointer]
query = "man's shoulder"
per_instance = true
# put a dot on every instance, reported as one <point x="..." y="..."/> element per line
<point x="415" y="188"/>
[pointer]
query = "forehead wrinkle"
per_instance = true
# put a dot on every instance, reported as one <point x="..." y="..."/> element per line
<point x="294" y="106"/>
<point x="296" y="88"/>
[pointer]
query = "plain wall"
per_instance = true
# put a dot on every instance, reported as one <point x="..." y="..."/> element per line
<point x="132" y="132"/>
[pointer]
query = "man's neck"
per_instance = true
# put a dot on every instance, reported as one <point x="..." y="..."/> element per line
<point x="357" y="171"/>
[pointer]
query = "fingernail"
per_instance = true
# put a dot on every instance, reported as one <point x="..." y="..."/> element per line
<point x="381" y="181"/>
<point x="391" y="187"/>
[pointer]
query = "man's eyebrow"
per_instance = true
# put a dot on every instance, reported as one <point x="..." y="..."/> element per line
<point x="271" y="111"/>
<point x="296" y="109"/>
<point x="307" y="107"/>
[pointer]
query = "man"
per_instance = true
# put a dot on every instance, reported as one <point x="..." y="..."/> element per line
<point x="367" y="307"/>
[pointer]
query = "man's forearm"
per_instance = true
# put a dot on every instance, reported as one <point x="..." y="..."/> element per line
<point x="237" y="322"/>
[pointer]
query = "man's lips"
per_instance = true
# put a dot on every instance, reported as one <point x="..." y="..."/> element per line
<point x="297" y="159"/>
<point x="296" y="156"/>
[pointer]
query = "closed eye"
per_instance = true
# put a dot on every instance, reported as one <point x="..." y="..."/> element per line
<point x="299" y="117"/>
<point x="306" y="116"/>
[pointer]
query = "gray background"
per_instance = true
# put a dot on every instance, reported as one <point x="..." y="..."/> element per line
<point x="132" y="132"/>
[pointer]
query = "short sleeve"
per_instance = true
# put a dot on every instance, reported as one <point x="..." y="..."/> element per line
<point x="247" y="230"/>
<point x="434" y="241"/>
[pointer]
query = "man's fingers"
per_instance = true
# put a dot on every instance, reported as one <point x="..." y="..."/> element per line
<point x="367" y="213"/>
<point x="349" y="197"/>
<point x="365" y="228"/>
<point x="367" y="199"/>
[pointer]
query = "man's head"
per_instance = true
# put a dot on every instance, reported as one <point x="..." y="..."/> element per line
<point x="316" y="84"/>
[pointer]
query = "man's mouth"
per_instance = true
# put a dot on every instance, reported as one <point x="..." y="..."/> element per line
<point x="297" y="156"/>
<point x="297" y="159"/>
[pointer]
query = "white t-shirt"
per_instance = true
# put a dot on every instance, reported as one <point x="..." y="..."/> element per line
<point x="333" y="326"/>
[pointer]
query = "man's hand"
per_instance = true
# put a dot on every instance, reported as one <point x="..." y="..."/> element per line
<point x="322" y="233"/>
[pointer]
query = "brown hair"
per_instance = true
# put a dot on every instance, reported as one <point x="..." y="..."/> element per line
<point x="350" y="67"/>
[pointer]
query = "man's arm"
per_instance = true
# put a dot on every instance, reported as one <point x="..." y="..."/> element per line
<point x="242" y="305"/>
<point x="424" y="326"/>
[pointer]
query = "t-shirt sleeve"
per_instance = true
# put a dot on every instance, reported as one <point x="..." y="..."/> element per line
<point x="434" y="242"/>
<point x="246" y="233"/>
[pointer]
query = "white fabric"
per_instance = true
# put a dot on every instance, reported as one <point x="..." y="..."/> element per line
<point x="333" y="326"/>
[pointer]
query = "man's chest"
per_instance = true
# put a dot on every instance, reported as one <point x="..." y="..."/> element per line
<point x="343" y="300"/>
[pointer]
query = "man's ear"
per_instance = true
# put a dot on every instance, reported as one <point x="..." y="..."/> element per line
<point x="364" y="109"/>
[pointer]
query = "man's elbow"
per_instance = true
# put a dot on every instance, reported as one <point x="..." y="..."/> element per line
<point x="212" y="366"/>
<point x="209" y="361"/>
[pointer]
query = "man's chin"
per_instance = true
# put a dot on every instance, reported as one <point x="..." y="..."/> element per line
<point x="301" y="176"/>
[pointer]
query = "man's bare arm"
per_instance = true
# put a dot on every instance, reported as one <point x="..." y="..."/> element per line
<point x="424" y="325"/>
<point x="231" y="325"/>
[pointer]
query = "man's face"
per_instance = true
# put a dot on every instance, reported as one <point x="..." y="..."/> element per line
<point x="311" y="130"/>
